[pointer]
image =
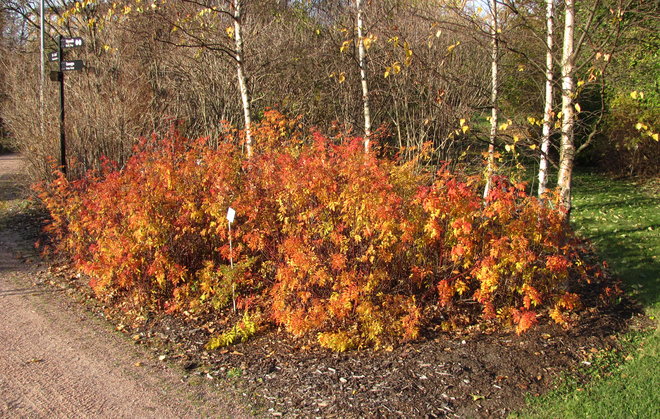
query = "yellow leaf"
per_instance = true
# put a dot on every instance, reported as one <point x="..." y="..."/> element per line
<point x="533" y="146"/>
<point x="521" y="67"/>
<point x="633" y="94"/>
<point x="342" y="77"/>
<point x="465" y="128"/>
<point x="387" y="72"/>
<point x="655" y="136"/>
<point x="367" y="41"/>
<point x="230" y="31"/>
<point x="451" y="47"/>
<point x="345" y="45"/>
<point x="438" y="33"/>
<point x="396" y="67"/>
<point x="531" y="120"/>
<point x="578" y="108"/>
<point x="462" y="121"/>
<point x="639" y="126"/>
<point x="508" y="147"/>
<point x="580" y="83"/>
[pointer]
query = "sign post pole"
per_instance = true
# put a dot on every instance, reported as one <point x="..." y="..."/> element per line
<point x="62" y="67"/>
<point x="62" y="130"/>
<point x="42" y="74"/>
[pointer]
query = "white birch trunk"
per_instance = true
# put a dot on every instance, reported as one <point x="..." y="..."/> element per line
<point x="242" y="81"/>
<point x="362" y="59"/>
<point x="493" y="98"/>
<point x="548" y="119"/>
<point x="567" y="149"/>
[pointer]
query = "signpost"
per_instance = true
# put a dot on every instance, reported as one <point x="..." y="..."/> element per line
<point x="71" y="65"/>
<point x="71" y="42"/>
<point x="62" y="66"/>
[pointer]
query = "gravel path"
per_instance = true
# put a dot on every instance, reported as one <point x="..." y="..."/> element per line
<point x="59" y="360"/>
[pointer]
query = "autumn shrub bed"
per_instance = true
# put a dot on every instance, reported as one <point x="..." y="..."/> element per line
<point x="348" y="249"/>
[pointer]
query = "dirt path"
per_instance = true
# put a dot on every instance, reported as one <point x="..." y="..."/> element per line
<point x="59" y="360"/>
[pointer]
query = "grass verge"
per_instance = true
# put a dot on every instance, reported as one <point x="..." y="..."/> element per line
<point x="622" y="219"/>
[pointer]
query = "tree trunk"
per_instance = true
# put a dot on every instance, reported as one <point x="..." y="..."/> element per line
<point x="242" y="81"/>
<point x="362" y="59"/>
<point x="549" y="92"/>
<point x="567" y="150"/>
<point x="493" y="98"/>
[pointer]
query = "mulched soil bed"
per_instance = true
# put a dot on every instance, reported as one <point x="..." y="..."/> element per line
<point x="476" y="374"/>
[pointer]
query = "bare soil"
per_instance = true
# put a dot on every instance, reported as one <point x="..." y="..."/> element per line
<point x="63" y="350"/>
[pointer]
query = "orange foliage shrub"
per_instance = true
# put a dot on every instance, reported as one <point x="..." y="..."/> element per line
<point x="351" y="249"/>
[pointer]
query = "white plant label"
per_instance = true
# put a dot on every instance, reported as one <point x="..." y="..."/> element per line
<point x="231" y="213"/>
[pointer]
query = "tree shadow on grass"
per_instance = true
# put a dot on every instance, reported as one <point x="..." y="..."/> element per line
<point x="624" y="226"/>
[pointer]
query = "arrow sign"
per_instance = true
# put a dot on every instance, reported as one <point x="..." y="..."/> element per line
<point x="71" y="42"/>
<point x="72" y="65"/>
<point x="53" y="56"/>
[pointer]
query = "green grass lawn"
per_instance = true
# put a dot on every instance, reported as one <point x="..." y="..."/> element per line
<point x="623" y="220"/>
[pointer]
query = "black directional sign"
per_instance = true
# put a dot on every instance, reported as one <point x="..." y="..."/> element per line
<point x="71" y="42"/>
<point x="53" y="56"/>
<point x="71" y="65"/>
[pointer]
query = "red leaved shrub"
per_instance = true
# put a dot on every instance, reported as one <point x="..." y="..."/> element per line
<point x="351" y="249"/>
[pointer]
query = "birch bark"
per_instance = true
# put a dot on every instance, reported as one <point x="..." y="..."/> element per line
<point x="242" y="80"/>
<point x="493" y="97"/>
<point x="362" y="60"/>
<point x="549" y="92"/>
<point x="567" y="148"/>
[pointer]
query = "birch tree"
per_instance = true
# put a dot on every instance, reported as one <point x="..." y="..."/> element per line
<point x="549" y="93"/>
<point x="242" y="80"/>
<point x="493" y="95"/>
<point x="567" y="149"/>
<point x="362" y="60"/>
<point x="190" y="21"/>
